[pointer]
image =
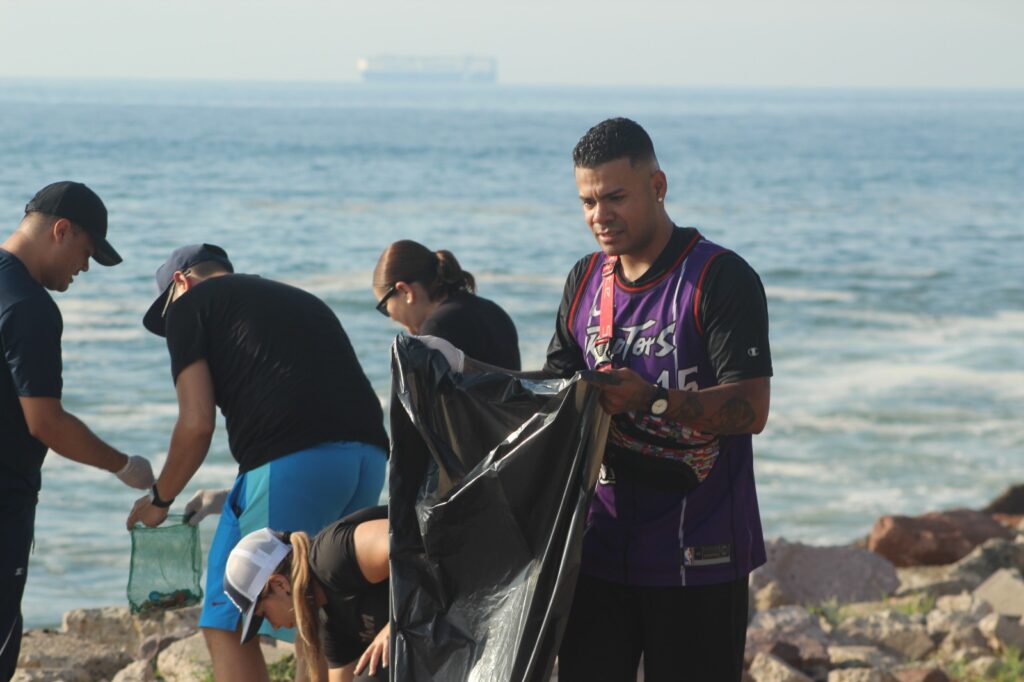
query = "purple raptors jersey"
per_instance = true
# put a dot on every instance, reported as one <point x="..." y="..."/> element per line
<point x="640" y="534"/>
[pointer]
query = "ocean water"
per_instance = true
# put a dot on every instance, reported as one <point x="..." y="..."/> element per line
<point x="888" y="228"/>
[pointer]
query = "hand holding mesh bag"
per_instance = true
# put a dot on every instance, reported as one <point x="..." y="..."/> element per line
<point x="203" y="504"/>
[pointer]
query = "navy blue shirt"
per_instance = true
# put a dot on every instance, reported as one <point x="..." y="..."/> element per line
<point x="30" y="331"/>
<point x="284" y="373"/>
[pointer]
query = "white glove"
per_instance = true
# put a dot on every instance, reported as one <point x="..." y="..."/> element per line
<point x="455" y="357"/>
<point x="205" y="503"/>
<point x="137" y="473"/>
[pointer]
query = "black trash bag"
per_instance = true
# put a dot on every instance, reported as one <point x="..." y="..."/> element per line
<point x="491" y="477"/>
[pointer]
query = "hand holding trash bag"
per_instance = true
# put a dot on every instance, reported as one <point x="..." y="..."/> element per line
<point x="205" y="503"/>
<point x="376" y="655"/>
<point x="455" y="357"/>
<point x="136" y="473"/>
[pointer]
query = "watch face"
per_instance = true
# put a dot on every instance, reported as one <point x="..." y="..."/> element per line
<point x="659" y="406"/>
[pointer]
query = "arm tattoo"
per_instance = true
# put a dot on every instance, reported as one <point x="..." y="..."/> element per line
<point x="735" y="416"/>
<point x="690" y="409"/>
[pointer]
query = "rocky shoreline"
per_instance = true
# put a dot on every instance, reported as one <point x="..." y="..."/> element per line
<point x="934" y="598"/>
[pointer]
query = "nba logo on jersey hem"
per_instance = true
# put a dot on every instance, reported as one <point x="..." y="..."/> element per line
<point x="706" y="555"/>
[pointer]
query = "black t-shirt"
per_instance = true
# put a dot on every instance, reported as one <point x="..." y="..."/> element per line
<point x="30" y="331"/>
<point x="284" y="373"/>
<point x="478" y="327"/>
<point x="356" y="609"/>
<point x="733" y="312"/>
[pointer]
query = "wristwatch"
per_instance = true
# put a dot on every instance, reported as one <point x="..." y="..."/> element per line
<point x="659" y="403"/>
<point x="154" y="499"/>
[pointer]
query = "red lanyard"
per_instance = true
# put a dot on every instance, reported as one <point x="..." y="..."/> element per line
<point x="603" y="345"/>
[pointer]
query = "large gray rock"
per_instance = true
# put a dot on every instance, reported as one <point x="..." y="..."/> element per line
<point x="807" y="575"/>
<point x="51" y="655"/>
<point x="902" y="635"/>
<point x="768" y="668"/>
<point x="1004" y="592"/>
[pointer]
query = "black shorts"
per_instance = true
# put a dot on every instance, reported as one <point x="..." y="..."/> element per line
<point x="685" y="634"/>
<point x="16" y="530"/>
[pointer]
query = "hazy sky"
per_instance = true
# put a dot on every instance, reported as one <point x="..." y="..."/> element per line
<point x="886" y="43"/>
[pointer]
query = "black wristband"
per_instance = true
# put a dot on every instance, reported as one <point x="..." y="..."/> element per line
<point x="156" y="501"/>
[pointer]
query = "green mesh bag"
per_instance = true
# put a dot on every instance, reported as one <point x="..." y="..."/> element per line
<point x="167" y="565"/>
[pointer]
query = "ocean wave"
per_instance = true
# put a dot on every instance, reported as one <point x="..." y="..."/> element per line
<point x="799" y="294"/>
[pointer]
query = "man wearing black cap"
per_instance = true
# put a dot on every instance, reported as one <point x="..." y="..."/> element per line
<point x="64" y="225"/>
<point x="303" y="421"/>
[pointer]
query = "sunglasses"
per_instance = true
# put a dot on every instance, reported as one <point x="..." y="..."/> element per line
<point x="382" y="304"/>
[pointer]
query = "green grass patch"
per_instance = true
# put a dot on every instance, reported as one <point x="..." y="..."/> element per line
<point x="916" y="605"/>
<point x="282" y="670"/>
<point x="1011" y="669"/>
<point x="830" y="610"/>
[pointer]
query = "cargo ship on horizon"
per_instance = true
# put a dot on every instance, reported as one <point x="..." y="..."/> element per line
<point x="396" y="69"/>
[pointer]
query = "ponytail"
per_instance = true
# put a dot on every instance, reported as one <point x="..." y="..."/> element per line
<point x="450" y="277"/>
<point x="304" y="602"/>
<point x="408" y="261"/>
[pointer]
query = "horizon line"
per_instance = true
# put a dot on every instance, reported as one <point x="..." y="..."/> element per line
<point x="512" y="84"/>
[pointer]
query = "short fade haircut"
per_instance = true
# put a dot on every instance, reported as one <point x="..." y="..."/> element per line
<point x="613" y="139"/>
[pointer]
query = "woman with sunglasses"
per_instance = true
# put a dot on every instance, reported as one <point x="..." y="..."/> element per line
<point x="429" y="294"/>
<point x="333" y="587"/>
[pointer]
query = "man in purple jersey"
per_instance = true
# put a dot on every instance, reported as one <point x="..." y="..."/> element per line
<point x="674" y="528"/>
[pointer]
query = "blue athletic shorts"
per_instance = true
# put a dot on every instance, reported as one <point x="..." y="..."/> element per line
<point x="305" y="491"/>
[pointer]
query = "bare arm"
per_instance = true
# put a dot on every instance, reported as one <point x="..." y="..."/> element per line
<point x="740" y="407"/>
<point x="190" y="441"/>
<point x="193" y="431"/>
<point x="66" y="435"/>
<point x="371" y="545"/>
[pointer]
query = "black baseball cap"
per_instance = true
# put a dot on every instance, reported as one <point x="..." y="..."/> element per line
<point x="83" y="207"/>
<point x="181" y="259"/>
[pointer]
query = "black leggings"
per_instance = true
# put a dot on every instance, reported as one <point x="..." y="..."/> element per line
<point x="16" y="524"/>
<point x="686" y="634"/>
